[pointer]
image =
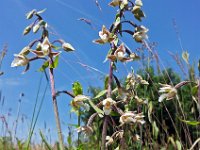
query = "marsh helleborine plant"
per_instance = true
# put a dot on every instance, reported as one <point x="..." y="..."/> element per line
<point x="42" y="48"/>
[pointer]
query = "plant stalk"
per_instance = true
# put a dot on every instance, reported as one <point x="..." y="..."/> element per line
<point x="55" y="106"/>
<point x="105" y="122"/>
<point x="104" y="133"/>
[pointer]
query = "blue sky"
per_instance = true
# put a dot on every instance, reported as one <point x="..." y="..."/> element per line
<point x="62" y="16"/>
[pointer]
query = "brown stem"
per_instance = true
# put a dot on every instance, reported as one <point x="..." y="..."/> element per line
<point x="110" y="80"/>
<point x="104" y="133"/>
<point x="65" y="92"/>
<point x="55" y="106"/>
<point x="105" y="122"/>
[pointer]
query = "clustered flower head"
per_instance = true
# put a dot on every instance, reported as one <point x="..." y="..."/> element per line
<point x="105" y="36"/>
<point x="140" y="34"/>
<point x="131" y="118"/>
<point x="107" y="105"/>
<point x="168" y="92"/>
<point x="79" y="101"/>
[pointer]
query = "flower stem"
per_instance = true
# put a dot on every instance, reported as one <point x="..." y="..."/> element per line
<point x="104" y="133"/>
<point x="55" y="106"/>
<point x="105" y="122"/>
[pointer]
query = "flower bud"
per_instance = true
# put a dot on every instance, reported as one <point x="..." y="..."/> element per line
<point x="67" y="47"/>
<point x="27" y="30"/>
<point x="30" y="14"/>
<point x="25" y="51"/>
<point x="36" y="28"/>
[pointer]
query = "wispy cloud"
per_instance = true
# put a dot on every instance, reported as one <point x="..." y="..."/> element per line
<point x="11" y="82"/>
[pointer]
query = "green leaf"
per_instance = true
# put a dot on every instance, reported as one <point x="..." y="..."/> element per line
<point x="155" y="130"/>
<point x="150" y="109"/>
<point x="100" y="94"/>
<point x="199" y="65"/>
<point x="194" y="90"/>
<point x="44" y="66"/>
<point x="193" y="123"/>
<point x="55" y="62"/>
<point x="73" y="125"/>
<point x="45" y="141"/>
<point x="117" y="21"/>
<point x="99" y="111"/>
<point x="77" y="88"/>
<point x="178" y="145"/>
<point x="114" y="114"/>
<point x="185" y="56"/>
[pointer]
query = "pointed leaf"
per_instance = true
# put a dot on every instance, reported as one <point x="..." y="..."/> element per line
<point x="178" y="145"/>
<point x="44" y="66"/>
<point x="100" y="94"/>
<point x="45" y="141"/>
<point x="73" y="125"/>
<point x="55" y="62"/>
<point x="194" y="90"/>
<point x="99" y="111"/>
<point x="193" y="123"/>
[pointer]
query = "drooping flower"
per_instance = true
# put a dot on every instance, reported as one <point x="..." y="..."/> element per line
<point x="131" y="118"/>
<point x="168" y="92"/>
<point x="19" y="60"/>
<point x="105" y="36"/>
<point x="115" y="3"/>
<point x="85" y="129"/>
<point x="120" y="54"/>
<point x="107" y="105"/>
<point x="137" y="12"/>
<point x="79" y="101"/>
<point x="138" y="3"/>
<point x="140" y="34"/>
<point x="109" y="141"/>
